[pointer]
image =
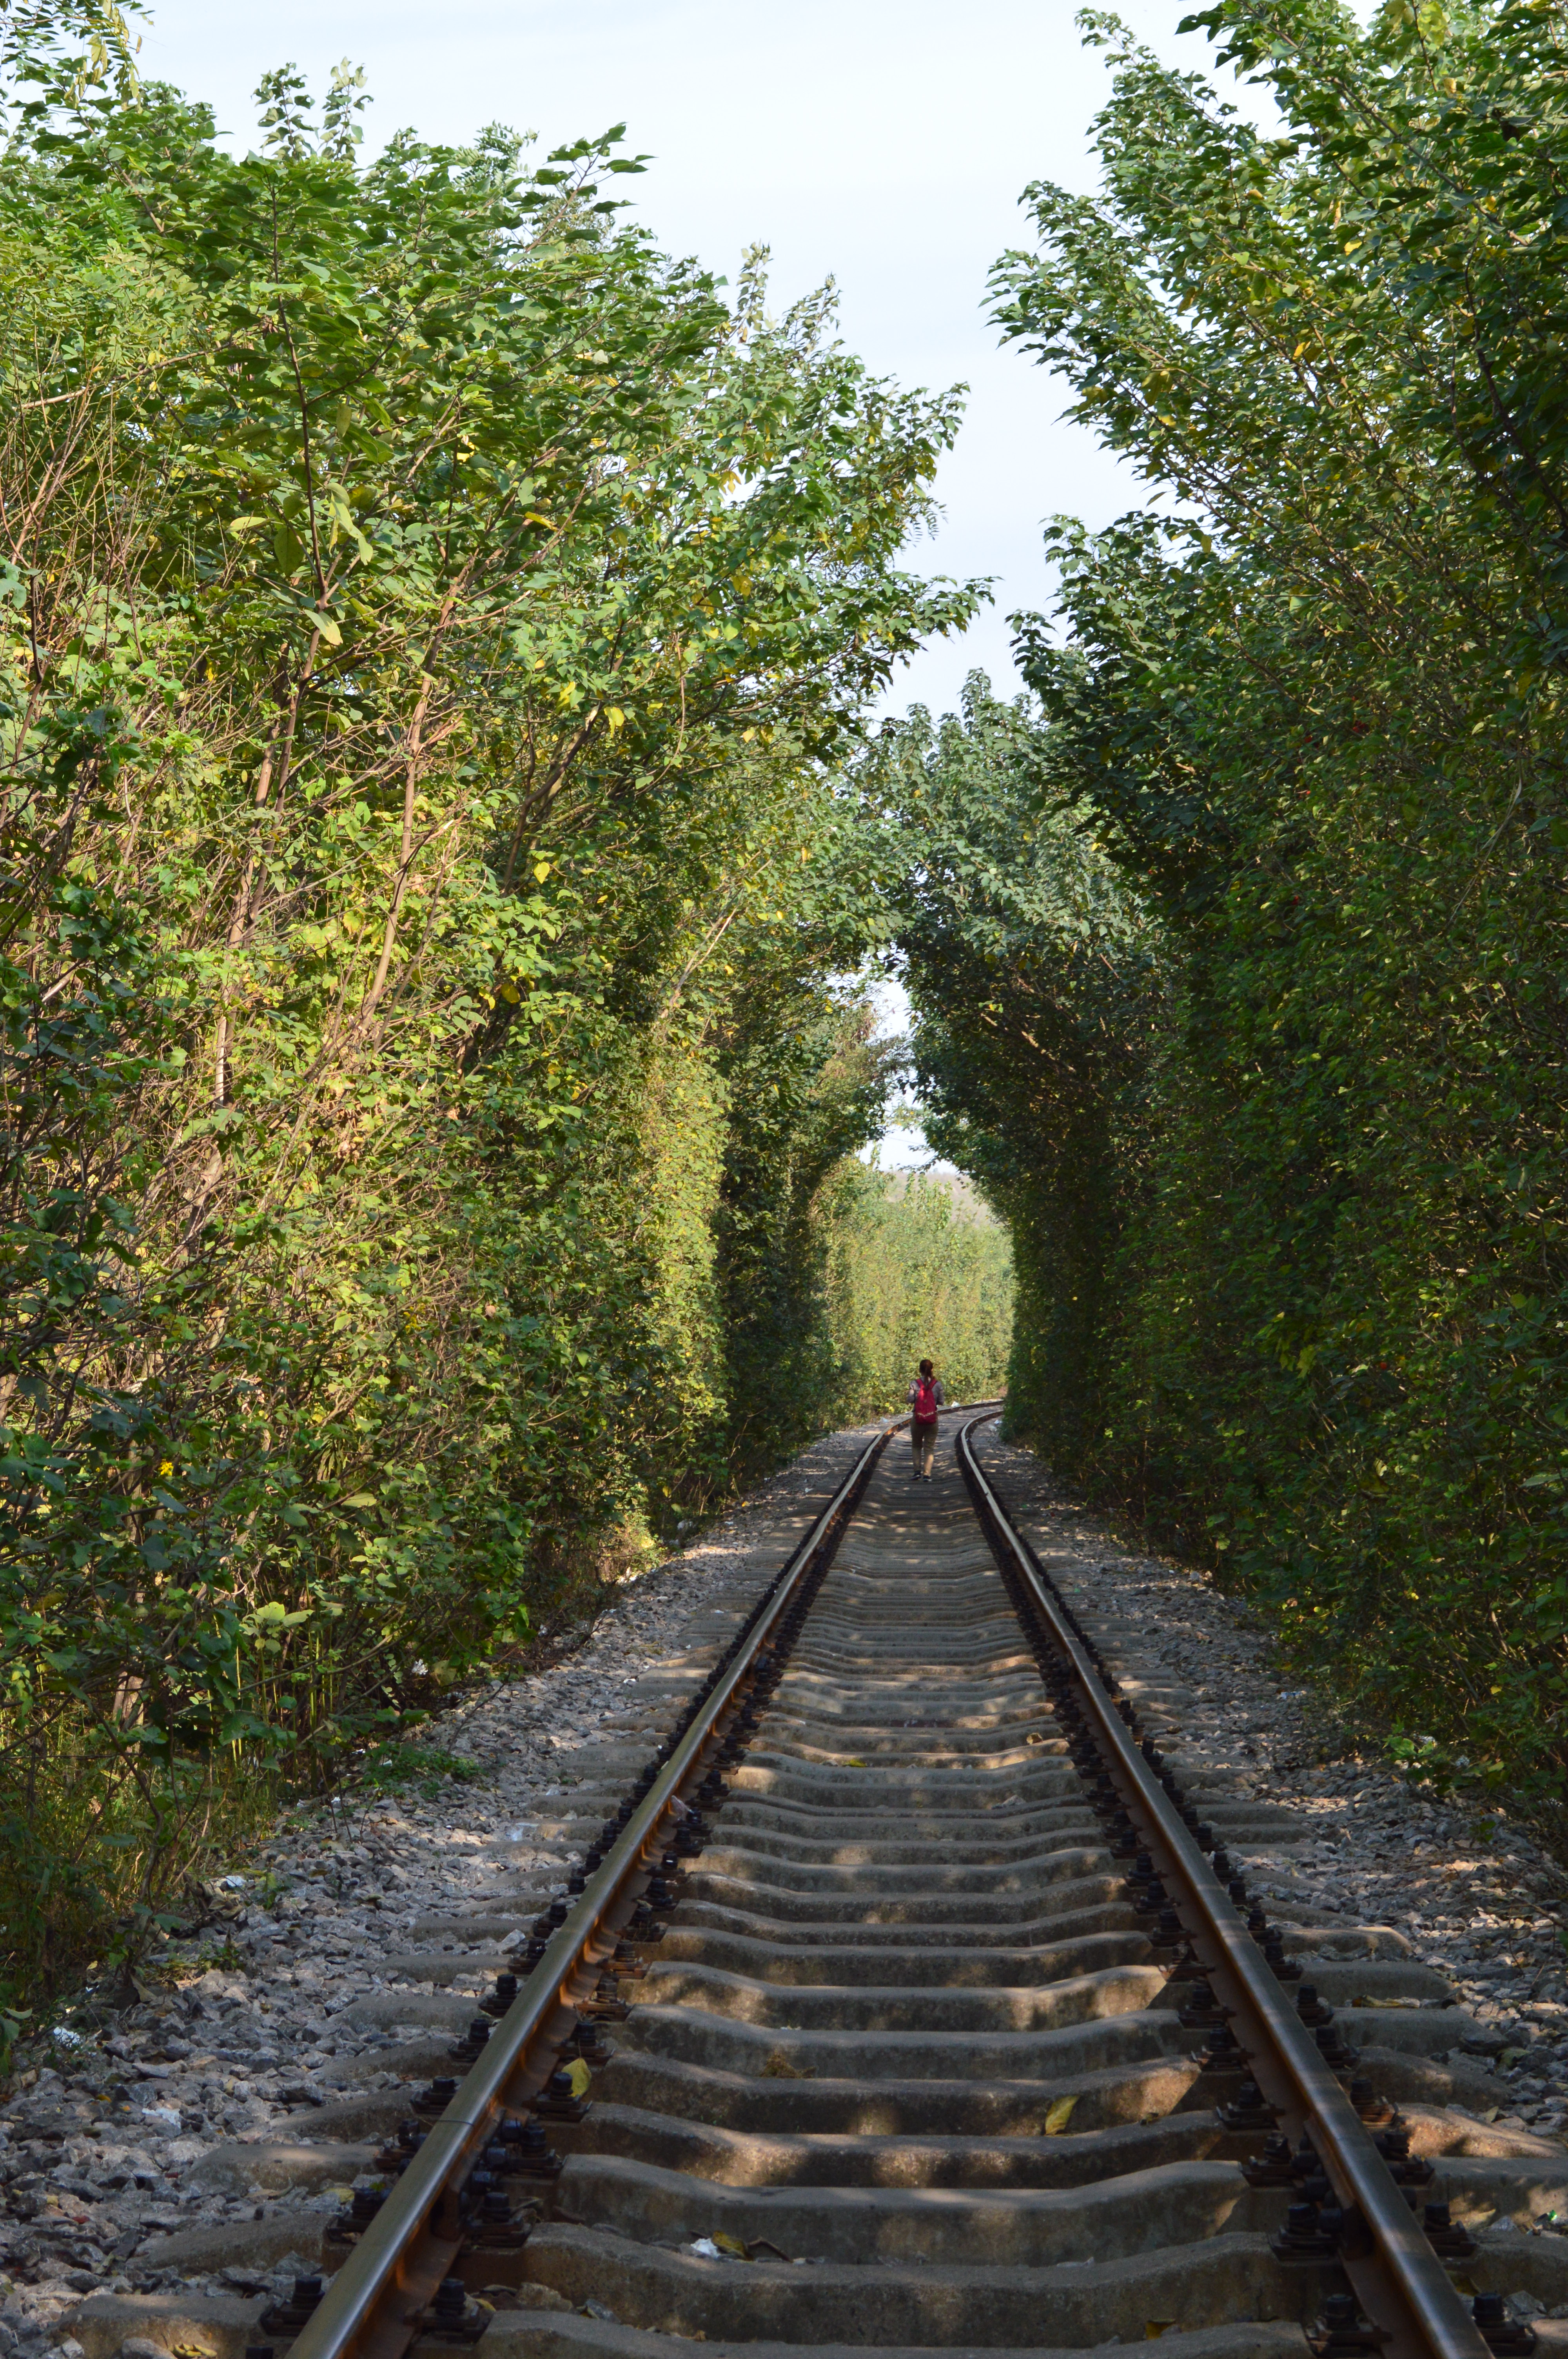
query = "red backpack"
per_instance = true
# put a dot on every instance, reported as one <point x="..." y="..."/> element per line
<point x="925" y="1401"/>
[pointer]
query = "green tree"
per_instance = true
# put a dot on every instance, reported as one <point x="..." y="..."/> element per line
<point x="1310" y="715"/>
<point x="914" y="1272"/>
<point x="1029" y="969"/>
<point x="427" y="617"/>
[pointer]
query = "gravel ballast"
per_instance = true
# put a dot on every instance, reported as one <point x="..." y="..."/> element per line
<point x="166" y="2176"/>
<point x="197" y="2146"/>
<point x="1471" y="1890"/>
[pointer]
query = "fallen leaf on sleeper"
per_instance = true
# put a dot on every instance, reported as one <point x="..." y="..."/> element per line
<point x="779" y="2067"/>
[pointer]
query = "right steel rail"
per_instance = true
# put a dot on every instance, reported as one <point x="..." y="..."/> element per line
<point x="1399" y="2280"/>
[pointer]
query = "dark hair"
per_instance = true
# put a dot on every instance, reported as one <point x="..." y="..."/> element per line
<point x="927" y="1368"/>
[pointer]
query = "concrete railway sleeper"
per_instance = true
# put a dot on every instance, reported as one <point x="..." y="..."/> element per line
<point x="907" y="2000"/>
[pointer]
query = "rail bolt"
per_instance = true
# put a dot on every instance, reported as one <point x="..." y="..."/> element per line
<point x="1308" y="2234"/>
<point x="1405" y="2169"/>
<point x="1333" y="2047"/>
<point x="285" y="2319"/>
<point x="1373" y="2108"/>
<point x="1271" y="2167"/>
<point x="451" y="2302"/>
<point x="1500" y="2331"/>
<point x="1447" y="2236"/>
<point x="556" y="2102"/>
<point x="1222" y="2054"/>
<point x="529" y="2151"/>
<point x="1203" y="2009"/>
<point x="1341" y="2332"/>
<point x="1167" y="1933"/>
<point x="502" y="1996"/>
<point x="1250" y="2110"/>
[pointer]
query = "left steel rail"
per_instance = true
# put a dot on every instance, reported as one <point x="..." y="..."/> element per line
<point x="376" y="2303"/>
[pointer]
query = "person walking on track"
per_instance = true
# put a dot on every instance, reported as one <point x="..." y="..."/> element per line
<point x="926" y="1397"/>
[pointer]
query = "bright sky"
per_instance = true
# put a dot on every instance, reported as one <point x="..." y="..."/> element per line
<point x="883" y="143"/>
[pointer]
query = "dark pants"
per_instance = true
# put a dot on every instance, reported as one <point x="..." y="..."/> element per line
<point x="923" y="1437"/>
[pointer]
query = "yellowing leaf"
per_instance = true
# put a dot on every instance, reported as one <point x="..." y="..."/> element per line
<point x="1060" y="2114"/>
<point x="779" y="2067"/>
<point x="579" y="2076"/>
<point x="731" y="2245"/>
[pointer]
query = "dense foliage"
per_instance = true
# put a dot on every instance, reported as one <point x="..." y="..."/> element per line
<point x="916" y="1269"/>
<point x="1281" y="1123"/>
<point x="1028" y="967"/>
<point x="427" y="614"/>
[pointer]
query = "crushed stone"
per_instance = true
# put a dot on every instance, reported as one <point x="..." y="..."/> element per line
<point x="1468" y="1886"/>
<point x="288" y="2021"/>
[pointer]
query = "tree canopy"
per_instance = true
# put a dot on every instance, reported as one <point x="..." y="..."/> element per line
<point x="430" y="619"/>
<point x="1247" y="974"/>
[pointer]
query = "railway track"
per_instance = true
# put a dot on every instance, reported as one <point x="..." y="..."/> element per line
<point x="910" y="2000"/>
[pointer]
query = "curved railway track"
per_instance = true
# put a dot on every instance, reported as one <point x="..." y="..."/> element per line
<point x="909" y="2001"/>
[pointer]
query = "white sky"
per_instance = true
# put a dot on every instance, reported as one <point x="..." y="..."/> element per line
<point x="883" y="143"/>
<point x="903" y="1146"/>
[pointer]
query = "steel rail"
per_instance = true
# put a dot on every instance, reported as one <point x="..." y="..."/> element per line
<point x="1399" y="2280"/>
<point x="374" y="2306"/>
